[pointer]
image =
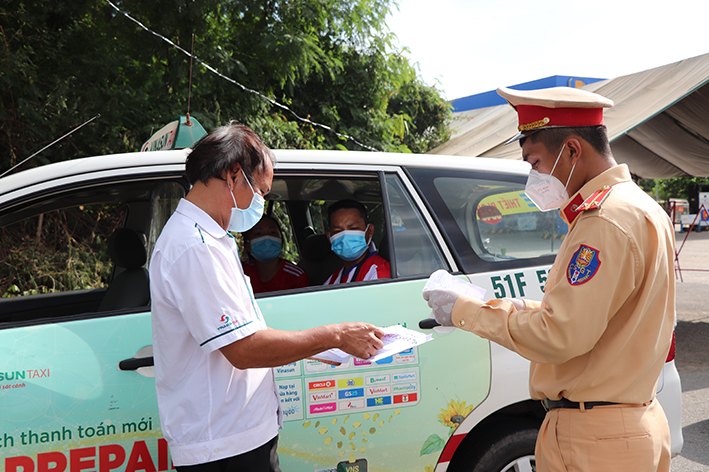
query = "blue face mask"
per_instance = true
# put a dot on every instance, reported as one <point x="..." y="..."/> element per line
<point x="265" y="248"/>
<point x="244" y="220"/>
<point x="349" y="245"/>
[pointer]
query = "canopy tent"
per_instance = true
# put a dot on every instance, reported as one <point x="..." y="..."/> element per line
<point x="659" y="125"/>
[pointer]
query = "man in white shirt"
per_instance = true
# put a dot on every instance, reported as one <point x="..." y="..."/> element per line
<point x="219" y="409"/>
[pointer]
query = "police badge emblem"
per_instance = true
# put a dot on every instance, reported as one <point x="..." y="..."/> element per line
<point x="583" y="266"/>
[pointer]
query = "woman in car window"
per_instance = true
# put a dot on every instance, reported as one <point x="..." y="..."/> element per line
<point x="266" y="269"/>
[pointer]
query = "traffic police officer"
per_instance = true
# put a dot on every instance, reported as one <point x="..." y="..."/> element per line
<point x="599" y="337"/>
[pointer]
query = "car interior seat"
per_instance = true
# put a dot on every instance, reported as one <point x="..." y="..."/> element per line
<point x="317" y="258"/>
<point x="130" y="287"/>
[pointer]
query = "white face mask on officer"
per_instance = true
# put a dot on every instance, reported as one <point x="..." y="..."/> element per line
<point x="546" y="191"/>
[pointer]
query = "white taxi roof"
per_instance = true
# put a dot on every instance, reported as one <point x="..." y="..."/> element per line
<point x="126" y="163"/>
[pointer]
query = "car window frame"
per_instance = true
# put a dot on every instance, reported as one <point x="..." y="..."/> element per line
<point x="423" y="180"/>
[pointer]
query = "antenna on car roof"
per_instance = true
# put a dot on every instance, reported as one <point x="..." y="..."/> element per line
<point x="49" y="145"/>
<point x="189" y="87"/>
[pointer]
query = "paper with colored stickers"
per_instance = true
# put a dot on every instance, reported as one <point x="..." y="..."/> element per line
<point x="396" y="339"/>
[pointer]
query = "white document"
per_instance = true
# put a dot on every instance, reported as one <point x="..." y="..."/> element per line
<point x="396" y="339"/>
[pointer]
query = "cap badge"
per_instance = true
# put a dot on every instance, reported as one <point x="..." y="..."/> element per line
<point x="535" y="124"/>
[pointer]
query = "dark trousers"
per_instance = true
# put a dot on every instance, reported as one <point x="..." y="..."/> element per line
<point x="261" y="459"/>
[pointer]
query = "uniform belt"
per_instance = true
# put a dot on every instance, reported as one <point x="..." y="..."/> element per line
<point x="565" y="403"/>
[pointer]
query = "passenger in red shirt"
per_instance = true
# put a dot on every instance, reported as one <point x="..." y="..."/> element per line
<point x="266" y="269"/>
<point x="351" y="239"/>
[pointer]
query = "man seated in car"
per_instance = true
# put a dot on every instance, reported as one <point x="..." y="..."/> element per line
<point x="266" y="269"/>
<point x="351" y="239"/>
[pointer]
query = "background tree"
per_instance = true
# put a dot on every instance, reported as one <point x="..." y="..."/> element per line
<point x="687" y="188"/>
<point x="333" y="62"/>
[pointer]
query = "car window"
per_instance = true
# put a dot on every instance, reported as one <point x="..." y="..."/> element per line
<point x="499" y="221"/>
<point x="56" y="258"/>
<point x="300" y="204"/>
<point x="491" y="223"/>
<point x="59" y="251"/>
<point x="300" y="201"/>
<point x="415" y="249"/>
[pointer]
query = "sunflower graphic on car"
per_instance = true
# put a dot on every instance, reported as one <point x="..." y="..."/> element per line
<point x="451" y="416"/>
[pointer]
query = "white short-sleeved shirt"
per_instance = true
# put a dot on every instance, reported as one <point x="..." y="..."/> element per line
<point x="201" y="302"/>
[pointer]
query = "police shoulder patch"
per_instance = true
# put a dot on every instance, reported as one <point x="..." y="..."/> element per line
<point x="583" y="265"/>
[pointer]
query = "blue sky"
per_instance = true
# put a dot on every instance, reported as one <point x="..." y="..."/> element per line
<point x="468" y="47"/>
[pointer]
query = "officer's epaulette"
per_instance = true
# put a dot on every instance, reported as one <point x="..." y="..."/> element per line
<point x="594" y="201"/>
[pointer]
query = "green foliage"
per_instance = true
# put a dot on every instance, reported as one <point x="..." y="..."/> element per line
<point x="59" y="251"/>
<point x="64" y="62"/>
<point x="678" y="187"/>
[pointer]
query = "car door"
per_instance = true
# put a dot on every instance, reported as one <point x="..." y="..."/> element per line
<point x="397" y="413"/>
<point x="76" y="389"/>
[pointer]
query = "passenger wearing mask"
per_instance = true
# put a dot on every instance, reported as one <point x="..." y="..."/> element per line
<point x="266" y="269"/>
<point x="351" y="239"/>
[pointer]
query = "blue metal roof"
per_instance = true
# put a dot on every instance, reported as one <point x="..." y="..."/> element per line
<point x="491" y="98"/>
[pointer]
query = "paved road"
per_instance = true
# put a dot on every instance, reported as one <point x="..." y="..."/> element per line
<point x="692" y="358"/>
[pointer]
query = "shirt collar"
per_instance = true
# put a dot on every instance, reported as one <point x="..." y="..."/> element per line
<point x="199" y="216"/>
<point x="609" y="178"/>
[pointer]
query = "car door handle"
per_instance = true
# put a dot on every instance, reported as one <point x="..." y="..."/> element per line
<point x="142" y="363"/>
<point x="428" y="323"/>
<point x="135" y="363"/>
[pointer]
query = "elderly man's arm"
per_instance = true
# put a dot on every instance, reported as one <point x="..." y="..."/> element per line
<point x="272" y="348"/>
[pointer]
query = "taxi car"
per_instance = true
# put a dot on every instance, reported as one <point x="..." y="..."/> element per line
<point x="76" y="378"/>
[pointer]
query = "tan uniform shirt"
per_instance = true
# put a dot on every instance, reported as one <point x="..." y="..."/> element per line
<point x="603" y="330"/>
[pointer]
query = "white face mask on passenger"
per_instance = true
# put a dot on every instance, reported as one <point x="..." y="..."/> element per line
<point x="546" y="191"/>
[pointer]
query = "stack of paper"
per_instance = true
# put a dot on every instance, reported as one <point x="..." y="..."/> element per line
<point x="396" y="339"/>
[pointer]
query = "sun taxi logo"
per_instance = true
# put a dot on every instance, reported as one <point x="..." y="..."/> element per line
<point x="16" y="377"/>
<point x="23" y="374"/>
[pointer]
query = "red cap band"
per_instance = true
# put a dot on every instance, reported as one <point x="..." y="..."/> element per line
<point x="536" y="117"/>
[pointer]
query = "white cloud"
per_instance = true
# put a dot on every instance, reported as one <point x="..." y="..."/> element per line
<point x="473" y="46"/>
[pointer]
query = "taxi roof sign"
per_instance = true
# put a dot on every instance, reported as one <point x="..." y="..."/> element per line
<point x="175" y="135"/>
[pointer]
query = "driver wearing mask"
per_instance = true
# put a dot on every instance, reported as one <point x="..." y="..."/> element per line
<point x="351" y="239"/>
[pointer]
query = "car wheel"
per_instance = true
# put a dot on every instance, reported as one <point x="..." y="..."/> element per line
<point x="505" y="447"/>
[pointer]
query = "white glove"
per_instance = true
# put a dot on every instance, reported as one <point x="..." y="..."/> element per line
<point x="441" y="301"/>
